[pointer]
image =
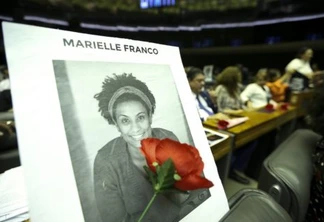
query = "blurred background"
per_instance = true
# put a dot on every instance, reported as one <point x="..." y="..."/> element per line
<point x="254" y="33"/>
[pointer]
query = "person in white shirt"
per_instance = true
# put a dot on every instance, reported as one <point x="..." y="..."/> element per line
<point x="302" y="62"/>
<point x="304" y="75"/>
<point x="257" y="95"/>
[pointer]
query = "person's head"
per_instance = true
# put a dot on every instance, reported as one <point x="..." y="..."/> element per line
<point x="273" y="75"/>
<point x="305" y="53"/>
<point x="127" y="102"/>
<point x="196" y="79"/>
<point x="230" y="78"/>
<point x="261" y="77"/>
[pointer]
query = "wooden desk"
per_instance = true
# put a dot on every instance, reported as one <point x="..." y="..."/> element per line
<point x="222" y="154"/>
<point x="221" y="149"/>
<point x="258" y="124"/>
<point x="301" y="100"/>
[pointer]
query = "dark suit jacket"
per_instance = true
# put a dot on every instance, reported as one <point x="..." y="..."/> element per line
<point x="209" y="101"/>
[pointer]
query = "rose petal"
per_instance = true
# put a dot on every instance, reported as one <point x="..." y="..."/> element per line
<point x="284" y="106"/>
<point x="193" y="182"/>
<point x="185" y="157"/>
<point x="269" y="107"/>
<point x="223" y="123"/>
<point x="148" y="149"/>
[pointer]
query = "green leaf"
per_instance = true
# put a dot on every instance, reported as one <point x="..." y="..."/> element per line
<point x="165" y="175"/>
<point x="151" y="175"/>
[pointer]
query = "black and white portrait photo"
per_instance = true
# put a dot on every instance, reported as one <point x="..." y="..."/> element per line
<point x="81" y="112"/>
<point x="107" y="109"/>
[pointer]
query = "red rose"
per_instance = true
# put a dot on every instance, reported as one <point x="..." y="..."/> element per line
<point x="222" y="124"/>
<point x="269" y="107"/>
<point x="284" y="106"/>
<point x="187" y="161"/>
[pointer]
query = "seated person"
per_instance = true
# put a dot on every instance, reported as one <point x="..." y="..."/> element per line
<point x="257" y="95"/>
<point x="278" y="84"/>
<point x="228" y="91"/>
<point x="240" y="157"/>
<point x="229" y="102"/>
<point x="5" y="92"/>
<point x="205" y="106"/>
<point x="315" y="210"/>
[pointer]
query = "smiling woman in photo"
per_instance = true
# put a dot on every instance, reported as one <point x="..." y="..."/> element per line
<point x="122" y="188"/>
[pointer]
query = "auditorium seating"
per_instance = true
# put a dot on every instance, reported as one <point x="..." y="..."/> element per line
<point x="287" y="172"/>
<point x="253" y="205"/>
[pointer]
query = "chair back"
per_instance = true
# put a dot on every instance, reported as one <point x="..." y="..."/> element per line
<point x="253" y="205"/>
<point x="287" y="172"/>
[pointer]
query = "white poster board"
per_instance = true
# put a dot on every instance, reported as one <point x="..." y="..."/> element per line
<point x="55" y="76"/>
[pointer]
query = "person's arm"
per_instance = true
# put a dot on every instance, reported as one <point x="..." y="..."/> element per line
<point x="246" y="95"/>
<point x="218" y="116"/>
<point x="286" y="77"/>
<point x="232" y="111"/>
<point x="109" y="201"/>
<point x="309" y="75"/>
<point x="293" y="65"/>
<point x="320" y="72"/>
<point x="312" y="75"/>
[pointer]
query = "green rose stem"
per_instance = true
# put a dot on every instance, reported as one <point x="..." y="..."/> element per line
<point x="148" y="206"/>
<point x="162" y="180"/>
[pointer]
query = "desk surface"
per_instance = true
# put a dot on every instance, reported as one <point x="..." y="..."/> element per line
<point x="258" y="124"/>
<point x="257" y="118"/>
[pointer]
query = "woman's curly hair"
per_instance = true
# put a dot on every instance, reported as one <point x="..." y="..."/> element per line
<point x="230" y="78"/>
<point x="111" y="84"/>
